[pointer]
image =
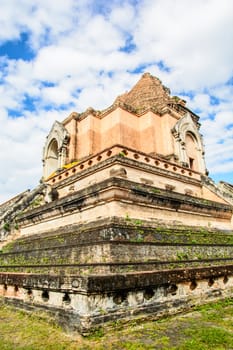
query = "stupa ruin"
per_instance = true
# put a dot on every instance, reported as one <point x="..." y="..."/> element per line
<point x="126" y="222"/>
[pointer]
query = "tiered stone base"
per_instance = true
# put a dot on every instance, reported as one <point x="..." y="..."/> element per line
<point x="116" y="269"/>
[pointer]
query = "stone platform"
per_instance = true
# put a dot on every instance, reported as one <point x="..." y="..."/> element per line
<point x="116" y="269"/>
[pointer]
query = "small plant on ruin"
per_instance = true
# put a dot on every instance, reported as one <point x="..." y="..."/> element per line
<point x="6" y="226"/>
<point x="121" y="154"/>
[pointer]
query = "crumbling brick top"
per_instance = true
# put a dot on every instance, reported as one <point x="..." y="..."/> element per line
<point x="147" y="93"/>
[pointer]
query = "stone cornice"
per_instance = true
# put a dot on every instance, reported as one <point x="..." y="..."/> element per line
<point x="156" y="162"/>
<point x="116" y="189"/>
<point x="112" y="282"/>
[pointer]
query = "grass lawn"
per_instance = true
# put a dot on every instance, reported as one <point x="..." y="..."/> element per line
<point x="209" y="327"/>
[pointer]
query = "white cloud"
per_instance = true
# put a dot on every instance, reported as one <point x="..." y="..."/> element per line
<point x="193" y="40"/>
<point x="123" y="17"/>
<point x="78" y="50"/>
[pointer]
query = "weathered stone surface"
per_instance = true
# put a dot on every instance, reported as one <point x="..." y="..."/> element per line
<point x="93" y="300"/>
<point x="104" y="271"/>
<point x="121" y="190"/>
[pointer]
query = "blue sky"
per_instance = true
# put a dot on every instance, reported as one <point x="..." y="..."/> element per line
<point x="62" y="56"/>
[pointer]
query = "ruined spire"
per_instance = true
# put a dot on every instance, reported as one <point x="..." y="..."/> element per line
<point x="147" y="93"/>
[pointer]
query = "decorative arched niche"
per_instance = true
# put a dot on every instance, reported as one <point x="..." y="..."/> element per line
<point x="55" y="149"/>
<point x="52" y="159"/>
<point x="188" y="144"/>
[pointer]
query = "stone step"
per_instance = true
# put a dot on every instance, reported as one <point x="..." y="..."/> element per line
<point x="111" y="268"/>
<point x="116" y="252"/>
<point x="131" y="230"/>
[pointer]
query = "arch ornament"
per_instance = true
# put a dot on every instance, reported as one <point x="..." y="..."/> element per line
<point x="189" y="146"/>
<point x="55" y="149"/>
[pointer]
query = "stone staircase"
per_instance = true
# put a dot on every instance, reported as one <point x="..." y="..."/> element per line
<point x="10" y="210"/>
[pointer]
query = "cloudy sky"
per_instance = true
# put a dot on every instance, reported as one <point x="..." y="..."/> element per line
<point x="66" y="55"/>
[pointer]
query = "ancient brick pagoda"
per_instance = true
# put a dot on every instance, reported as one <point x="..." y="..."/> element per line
<point x="126" y="223"/>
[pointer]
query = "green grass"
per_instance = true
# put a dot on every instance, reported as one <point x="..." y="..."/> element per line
<point x="205" y="328"/>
